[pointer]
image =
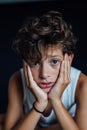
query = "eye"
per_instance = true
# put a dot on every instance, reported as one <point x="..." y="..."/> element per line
<point x="34" y="64"/>
<point x="55" y="62"/>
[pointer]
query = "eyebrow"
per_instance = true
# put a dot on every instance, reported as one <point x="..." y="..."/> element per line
<point x="53" y="56"/>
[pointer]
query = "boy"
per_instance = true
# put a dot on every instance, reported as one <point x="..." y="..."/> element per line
<point x="47" y="93"/>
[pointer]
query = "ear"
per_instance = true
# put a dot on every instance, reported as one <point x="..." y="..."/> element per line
<point x="71" y="56"/>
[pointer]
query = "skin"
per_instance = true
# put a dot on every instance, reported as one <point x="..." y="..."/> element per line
<point x="2" y="119"/>
<point x="47" y="80"/>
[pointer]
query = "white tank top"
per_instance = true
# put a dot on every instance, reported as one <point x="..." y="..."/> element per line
<point x="68" y="98"/>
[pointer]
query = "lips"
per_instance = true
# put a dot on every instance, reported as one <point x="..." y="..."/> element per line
<point x="46" y="85"/>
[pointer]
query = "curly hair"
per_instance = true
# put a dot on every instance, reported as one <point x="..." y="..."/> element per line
<point x="48" y="29"/>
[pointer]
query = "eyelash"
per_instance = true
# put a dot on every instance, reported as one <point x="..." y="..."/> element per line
<point x="55" y="62"/>
<point x="34" y="64"/>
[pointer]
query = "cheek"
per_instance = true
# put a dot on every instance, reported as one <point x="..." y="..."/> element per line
<point x="58" y="69"/>
<point x="55" y="73"/>
<point x="34" y="74"/>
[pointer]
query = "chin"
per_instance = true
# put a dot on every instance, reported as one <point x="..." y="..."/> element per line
<point x="46" y="90"/>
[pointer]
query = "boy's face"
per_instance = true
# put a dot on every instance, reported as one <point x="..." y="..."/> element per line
<point x="45" y="72"/>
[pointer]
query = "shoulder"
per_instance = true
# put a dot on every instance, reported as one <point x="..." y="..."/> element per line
<point x="15" y="76"/>
<point x="81" y="90"/>
<point x="15" y="84"/>
<point x="15" y="100"/>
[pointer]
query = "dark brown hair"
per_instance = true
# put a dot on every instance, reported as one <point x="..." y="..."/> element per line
<point x="48" y="29"/>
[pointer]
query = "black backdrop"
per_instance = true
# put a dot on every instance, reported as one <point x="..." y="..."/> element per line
<point x="12" y="16"/>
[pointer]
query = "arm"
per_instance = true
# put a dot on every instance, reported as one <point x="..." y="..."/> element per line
<point x="63" y="116"/>
<point x="51" y="127"/>
<point x="81" y="99"/>
<point x="14" y="111"/>
<point x="14" y="117"/>
<point x="2" y="119"/>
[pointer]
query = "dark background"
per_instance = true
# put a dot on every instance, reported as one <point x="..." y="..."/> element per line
<point x="12" y="16"/>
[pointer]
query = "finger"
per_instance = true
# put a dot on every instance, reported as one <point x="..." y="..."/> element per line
<point x="62" y="71"/>
<point x="33" y="84"/>
<point x="34" y="87"/>
<point x="30" y="77"/>
<point x="26" y="73"/>
<point x="67" y="68"/>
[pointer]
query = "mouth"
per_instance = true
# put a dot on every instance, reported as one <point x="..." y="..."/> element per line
<point x="46" y="85"/>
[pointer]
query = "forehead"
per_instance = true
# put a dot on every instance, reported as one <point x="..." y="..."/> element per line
<point x="51" y="51"/>
<point x="48" y="52"/>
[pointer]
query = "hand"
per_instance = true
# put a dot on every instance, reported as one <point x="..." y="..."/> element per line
<point x="40" y="95"/>
<point x="62" y="81"/>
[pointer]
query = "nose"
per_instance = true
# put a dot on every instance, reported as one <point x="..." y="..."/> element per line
<point x="44" y="71"/>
